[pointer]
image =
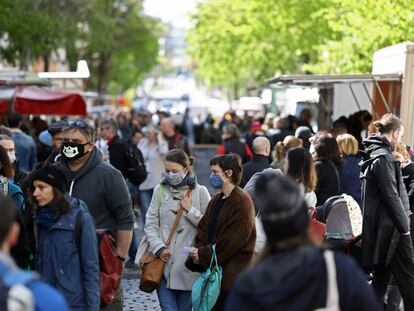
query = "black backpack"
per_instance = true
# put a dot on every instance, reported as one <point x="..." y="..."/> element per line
<point x="135" y="166"/>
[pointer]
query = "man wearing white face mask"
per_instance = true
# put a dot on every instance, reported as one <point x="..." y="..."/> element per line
<point x="101" y="186"/>
<point x="8" y="144"/>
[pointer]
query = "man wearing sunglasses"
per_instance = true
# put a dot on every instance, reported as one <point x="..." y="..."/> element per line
<point x="100" y="185"/>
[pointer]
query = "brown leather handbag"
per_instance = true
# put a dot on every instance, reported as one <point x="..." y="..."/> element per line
<point x="153" y="266"/>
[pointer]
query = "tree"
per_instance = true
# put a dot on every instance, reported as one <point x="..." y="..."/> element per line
<point x="121" y="45"/>
<point x="238" y="43"/>
<point x="32" y="29"/>
<point x="114" y="36"/>
<point x="361" y="28"/>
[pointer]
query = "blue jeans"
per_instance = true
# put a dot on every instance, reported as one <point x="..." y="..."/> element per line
<point x="145" y="197"/>
<point x="173" y="300"/>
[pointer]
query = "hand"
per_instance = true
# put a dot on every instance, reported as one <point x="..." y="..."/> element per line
<point x="186" y="203"/>
<point x="160" y="137"/>
<point x="406" y="233"/>
<point x="165" y="254"/>
<point x="194" y="255"/>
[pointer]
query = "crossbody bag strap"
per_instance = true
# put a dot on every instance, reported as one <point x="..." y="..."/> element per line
<point x="177" y="219"/>
<point x="332" y="297"/>
<point x="159" y="198"/>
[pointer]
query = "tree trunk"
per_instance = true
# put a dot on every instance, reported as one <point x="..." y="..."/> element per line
<point x="24" y="61"/>
<point x="46" y="61"/>
<point x="103" y="71"/>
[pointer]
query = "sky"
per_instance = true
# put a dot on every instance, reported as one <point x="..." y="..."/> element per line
<point x="174" y="11"/>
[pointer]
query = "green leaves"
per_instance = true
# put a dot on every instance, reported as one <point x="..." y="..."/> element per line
<point x="242" y="42"/>
<point x="118" y="41"/>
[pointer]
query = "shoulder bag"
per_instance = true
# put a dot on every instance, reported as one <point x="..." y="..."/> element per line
<point x="152" y="266"/>
<point x="206" y="288"/>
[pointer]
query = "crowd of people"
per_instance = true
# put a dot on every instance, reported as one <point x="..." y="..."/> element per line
<point x="271" y="172"/>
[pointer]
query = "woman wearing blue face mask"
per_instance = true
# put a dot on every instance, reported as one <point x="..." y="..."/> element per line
<point x="178" y="189"/>
<point x="229" y="222"/>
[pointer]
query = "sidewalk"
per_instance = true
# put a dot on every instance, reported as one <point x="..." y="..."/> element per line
<point x="134" y="299"/>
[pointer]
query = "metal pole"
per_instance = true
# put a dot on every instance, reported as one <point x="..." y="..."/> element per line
<point x="382" y="95"/>
<point x="353" y="94"/>
<point x="370" y="99"/>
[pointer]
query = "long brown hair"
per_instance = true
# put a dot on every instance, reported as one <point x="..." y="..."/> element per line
<point x="6" y="167"/>
<point x="301" y="167"/>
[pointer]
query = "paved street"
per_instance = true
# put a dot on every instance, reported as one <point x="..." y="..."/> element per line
<point x="134" y="299"/>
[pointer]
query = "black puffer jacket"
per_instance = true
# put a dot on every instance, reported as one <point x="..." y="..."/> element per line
<point x="385" y="203"/>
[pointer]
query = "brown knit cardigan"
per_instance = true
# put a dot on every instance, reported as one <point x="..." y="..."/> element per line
<point x="235" y="237"/>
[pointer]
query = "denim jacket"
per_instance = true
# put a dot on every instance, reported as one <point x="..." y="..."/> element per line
<point x="25" y="150"/>
<point x="75" y="272"/>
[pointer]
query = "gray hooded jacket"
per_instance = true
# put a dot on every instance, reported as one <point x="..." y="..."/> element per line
<point x="102" y="187"/>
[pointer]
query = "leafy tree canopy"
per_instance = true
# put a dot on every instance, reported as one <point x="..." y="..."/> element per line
<point x="242" y="42"/>
<point x="115" y="37"/>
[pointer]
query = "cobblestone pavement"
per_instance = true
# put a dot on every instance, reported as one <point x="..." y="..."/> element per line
<point x="134" y="299"/>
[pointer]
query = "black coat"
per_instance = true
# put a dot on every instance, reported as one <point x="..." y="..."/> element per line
<point x="117" y="151"/>
<point x="258" y="164"/>
<point x="236" y="146"/>
<point x="277" y="282"/>
<point x="385" y="203"/>
<point x="408" y="177"/>
<point x="328" y="184"/>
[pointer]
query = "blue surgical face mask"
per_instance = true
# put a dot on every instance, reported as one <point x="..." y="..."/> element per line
<point x="174" y="179"/>
<point x="216" y="181"/>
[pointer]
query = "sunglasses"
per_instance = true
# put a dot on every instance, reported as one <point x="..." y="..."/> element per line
<point x="78" y="123"/>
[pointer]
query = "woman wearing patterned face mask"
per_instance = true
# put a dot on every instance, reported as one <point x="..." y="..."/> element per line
<point x="178" y="189"/>
<point x="7" y="188"/>
<point x="229" y="223"/>
<point x="18" y="174"/>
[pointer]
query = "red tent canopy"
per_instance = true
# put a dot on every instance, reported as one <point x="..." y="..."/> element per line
<point x="35" y="100"/>
<point x="3" y="106"/>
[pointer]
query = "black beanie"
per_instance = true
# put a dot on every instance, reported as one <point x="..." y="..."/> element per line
<point x="53" y="176"/>
<point x="282" y="207"/>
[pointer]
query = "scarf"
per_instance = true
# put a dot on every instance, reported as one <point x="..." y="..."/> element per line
<point x="190" y="180"/>
<point x="46" y="217"/>
<point x="4" y="186"/>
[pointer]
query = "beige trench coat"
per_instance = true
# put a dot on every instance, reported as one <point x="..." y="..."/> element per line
<point x="159" y="222"/>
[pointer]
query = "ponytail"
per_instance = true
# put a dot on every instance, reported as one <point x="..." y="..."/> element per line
<point x="388" y="123"/>
<point x="279" y="151"/>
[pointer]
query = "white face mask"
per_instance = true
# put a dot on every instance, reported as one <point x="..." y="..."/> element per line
<point x="12" y="156"/>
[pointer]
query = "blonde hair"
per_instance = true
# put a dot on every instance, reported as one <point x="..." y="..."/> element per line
<point x="282" y="147"/>
<point x="402" y="149"/>
<point x="348" y="145"/>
